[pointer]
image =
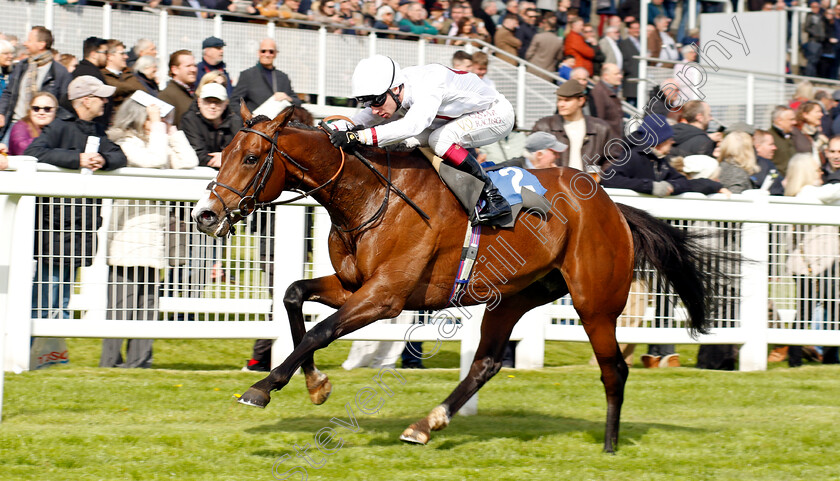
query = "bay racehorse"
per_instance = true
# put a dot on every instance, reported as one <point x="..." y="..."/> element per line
<point x="388" y="258"/>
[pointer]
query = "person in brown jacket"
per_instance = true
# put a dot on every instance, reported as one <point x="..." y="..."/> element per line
<point x="179" y="92"/>
<point x="588" y="138"/>
<point x="506" y="40"/>
<point x="117" y="75"/>
<point x="546" y="47"/>
<point x="606" y="103"/>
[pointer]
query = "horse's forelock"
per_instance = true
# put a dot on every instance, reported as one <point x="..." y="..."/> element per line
<point x="250" y="123"/>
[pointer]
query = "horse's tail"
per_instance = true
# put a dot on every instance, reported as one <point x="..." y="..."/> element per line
<point x="677" y="256"/>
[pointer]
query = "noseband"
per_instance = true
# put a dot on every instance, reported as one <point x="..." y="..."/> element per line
<point x="248" y="203"/>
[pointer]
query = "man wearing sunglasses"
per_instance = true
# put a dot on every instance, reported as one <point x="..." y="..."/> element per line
<point x="435" y="106"/>
<point x="262" y="81"/>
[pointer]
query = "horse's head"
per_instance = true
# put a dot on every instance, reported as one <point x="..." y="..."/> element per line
<point x="252" y="172"/>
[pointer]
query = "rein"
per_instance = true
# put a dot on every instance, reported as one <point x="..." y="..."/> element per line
<point x="248" y="203"/>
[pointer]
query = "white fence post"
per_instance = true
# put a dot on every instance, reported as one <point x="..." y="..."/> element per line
<point x="288" y="259"/>
<point x="520" y="94"/>
<point x="19" y="219"/>
<point x="49" y="15"/>
<point x="470" y="335"/>
<point x="755" y="240"/>
<point x="106" y="20"/>
<point x="217" y="26"/>
<point x="163" y="60"/>
<point x="421" y="51"/>
<point x="322" y="67"/>
<point x="750" y="99"/>
<point x="530" y="351"/>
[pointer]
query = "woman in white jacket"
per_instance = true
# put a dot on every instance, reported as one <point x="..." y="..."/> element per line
<point x="137" y="247"/>
<point x="814" y="254"/>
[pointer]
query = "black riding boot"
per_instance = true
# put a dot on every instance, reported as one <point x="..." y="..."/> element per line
<point x="495" y="206"/>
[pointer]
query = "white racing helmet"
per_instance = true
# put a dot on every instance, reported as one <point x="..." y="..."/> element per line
<point x="374" y="76"/>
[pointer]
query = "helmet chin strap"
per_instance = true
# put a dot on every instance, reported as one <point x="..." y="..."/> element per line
<point x="396" y="96"/>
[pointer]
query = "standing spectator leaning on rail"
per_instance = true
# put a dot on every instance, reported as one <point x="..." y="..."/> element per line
<point x="416" y="20"/>
<point x="38" y="73"/>
<point x="179" y="92"/>
<point x="212" y="58"/>
<point x="813" y="256"/>
<point x="263" y="81"/>
<point x="42" y="111"/>
<point x="137" y="233"/>
<point x="66" y="228"/>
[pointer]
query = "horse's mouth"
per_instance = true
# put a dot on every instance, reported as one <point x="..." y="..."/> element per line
<point x="222" y="229"/>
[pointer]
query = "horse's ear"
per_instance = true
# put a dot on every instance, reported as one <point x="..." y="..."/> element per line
<point x="244" y="112"/>
<point x="282" y="119"/>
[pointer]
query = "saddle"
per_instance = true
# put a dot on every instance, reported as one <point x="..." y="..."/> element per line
<point x="467" y="189"/>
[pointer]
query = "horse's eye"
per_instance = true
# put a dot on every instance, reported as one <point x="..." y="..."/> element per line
<point x="251" y="159"/>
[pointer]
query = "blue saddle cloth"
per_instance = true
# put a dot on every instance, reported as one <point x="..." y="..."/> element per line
<point x="511" y="180"/>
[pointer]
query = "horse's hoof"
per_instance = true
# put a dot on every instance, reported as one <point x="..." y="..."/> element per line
<point x="414" y="436"/>
<point x="255" y="397"/>
<point x="320" y="393"/>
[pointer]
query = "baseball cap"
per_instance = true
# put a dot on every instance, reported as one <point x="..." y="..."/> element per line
<point x="543" y="140"/>
<point x="836" y="95"/>
<point x="213" y="90"/>
<point x="212" y="42"/>
<point x="87" y="85"/>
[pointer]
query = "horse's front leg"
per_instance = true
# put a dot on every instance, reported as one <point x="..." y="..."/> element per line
<point x="330" y="292"/>
<point x="373" y="301"/>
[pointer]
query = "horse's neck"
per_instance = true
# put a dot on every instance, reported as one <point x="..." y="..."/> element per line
<point x="358" y="192"/>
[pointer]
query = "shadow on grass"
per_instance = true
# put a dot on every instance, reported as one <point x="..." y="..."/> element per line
<point x="519" y="425"/>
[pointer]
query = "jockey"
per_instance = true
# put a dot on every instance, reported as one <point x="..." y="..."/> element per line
<point x="445" y="109"/>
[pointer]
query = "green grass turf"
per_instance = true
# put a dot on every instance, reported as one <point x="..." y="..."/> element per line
<point x="180" y="421"/>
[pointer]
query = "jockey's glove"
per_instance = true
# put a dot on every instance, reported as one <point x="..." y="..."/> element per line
<point x="344" y="139"/>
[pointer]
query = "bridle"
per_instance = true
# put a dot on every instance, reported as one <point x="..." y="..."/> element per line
<point x="248" y="203"/>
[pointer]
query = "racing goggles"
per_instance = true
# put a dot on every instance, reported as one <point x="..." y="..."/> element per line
<point x="373" y="100"/>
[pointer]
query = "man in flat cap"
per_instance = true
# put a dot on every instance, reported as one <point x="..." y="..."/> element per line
<point x="542" y="150"/>
<point x="587" y="137"/>
<point x="212" y="58"/>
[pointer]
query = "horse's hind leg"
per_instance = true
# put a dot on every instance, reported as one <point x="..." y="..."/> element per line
<point x="495" y="332"/>
<point x="326" y="290"/>
<point x="601" y="331"/>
